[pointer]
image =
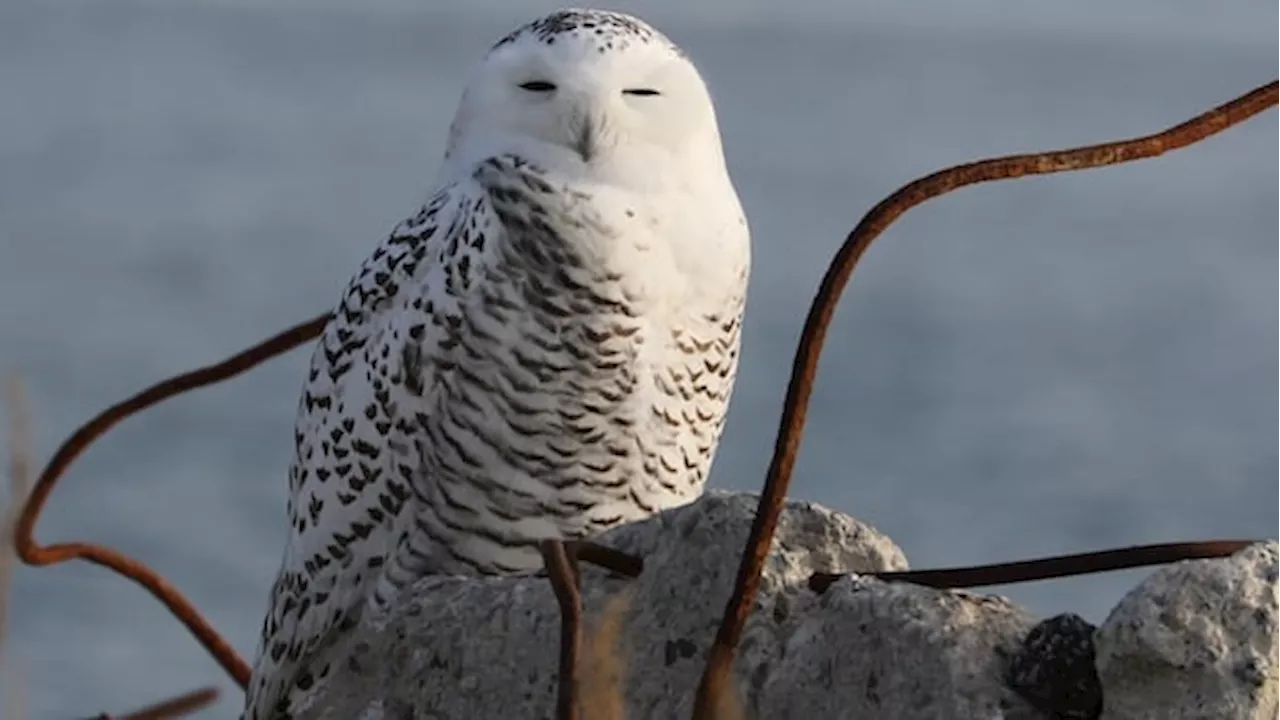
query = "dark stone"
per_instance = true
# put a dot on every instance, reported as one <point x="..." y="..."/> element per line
<point x="1054" y="669"/>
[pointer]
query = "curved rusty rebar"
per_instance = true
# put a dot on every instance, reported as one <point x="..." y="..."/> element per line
<point x="32" y="553"/>
<point x="1058" y="566"/>
<point x="800" y="386"/>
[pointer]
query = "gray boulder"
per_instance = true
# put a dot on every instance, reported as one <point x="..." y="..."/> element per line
<point x="1195" y="640"/>
<point x="478" y="648"/>
<point x="487" y="648"/>
<point x="870" y="649"/>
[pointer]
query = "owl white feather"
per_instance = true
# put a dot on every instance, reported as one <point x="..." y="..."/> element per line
<point x="545" y="350"/>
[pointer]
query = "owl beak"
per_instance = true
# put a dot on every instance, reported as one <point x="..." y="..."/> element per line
<point x="587" y="139"/>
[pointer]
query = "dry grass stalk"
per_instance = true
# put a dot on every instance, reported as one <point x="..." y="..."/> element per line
<point x="19" y="485"/>
<point x="601" y="687"/>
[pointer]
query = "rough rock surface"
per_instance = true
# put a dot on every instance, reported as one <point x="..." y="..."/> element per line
<point x="876" y="650"/>
<point x="1195" y="640"/>
<point x="487" y="648"/>
<point x="1055" y="669"/>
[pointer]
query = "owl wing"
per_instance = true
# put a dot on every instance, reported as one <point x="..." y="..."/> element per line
<point x="348" y="479"/>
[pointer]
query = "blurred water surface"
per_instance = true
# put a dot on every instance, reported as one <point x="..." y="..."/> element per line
<point x="1041" y="366"/>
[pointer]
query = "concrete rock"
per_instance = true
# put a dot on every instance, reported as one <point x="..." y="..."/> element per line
<point x="878" y="650"/>
<point x="435" y="654"/>
<point x="479" y="648"/>
<point x="1195" y="640"/>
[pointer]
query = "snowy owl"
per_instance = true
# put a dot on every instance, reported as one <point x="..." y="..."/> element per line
<point x="545" y="350"/>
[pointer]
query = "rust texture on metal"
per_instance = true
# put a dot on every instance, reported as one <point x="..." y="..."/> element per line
<point x="175" y="707"/>
<point x="560" y="559"/>
<point x="1059" y="566"/>
<point x="33" y="553"/>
